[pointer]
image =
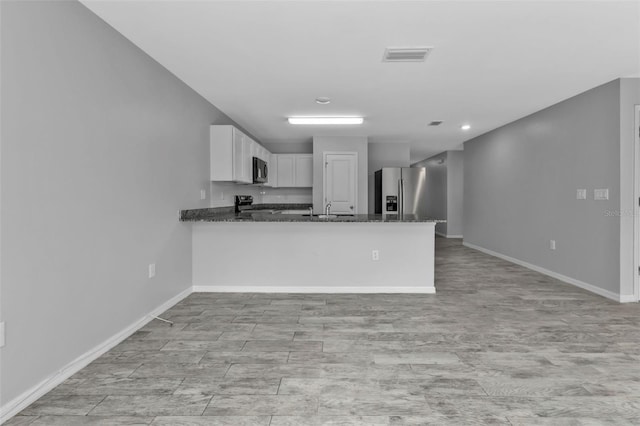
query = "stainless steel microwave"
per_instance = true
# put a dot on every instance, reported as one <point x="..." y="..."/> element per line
<point x="260" y="171"/>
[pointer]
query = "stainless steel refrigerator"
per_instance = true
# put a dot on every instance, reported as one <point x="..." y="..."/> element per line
<point x="401" y="190"/>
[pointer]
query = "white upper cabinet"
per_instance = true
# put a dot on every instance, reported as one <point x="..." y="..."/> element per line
<point x="293" y="170"/>
<point x="304" y="170"/>
<point x="231" y="154"/>
<point x="286" y="170"/>
<point x="250" y="147"/>
<point x="272" y="175"/>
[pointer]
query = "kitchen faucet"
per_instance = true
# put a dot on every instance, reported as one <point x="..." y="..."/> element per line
<point x="327" y="209"/>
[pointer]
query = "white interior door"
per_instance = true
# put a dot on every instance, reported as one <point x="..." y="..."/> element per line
<point x="340" y="182"/>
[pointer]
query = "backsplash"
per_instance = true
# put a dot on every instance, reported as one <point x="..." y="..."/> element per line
<point x="221" y="194"/>
<point x="286" y="195"/>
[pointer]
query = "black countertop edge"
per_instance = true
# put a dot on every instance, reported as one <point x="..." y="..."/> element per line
<point x="210" y="212"/>
<point x="279" y="217"/>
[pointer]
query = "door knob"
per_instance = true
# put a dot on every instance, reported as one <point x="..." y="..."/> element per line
<point x="351" y="207"/>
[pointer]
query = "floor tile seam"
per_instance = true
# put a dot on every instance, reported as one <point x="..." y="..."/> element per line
<point x="95" y="406"/>
<point x="482" y="387"/>
<point x="178" y="387"/>
<point x="166" y="343"/>
<point x="207" y="406"/>
<point x="227" y="370"/>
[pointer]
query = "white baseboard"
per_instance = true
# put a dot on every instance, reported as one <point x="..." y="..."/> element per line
<point x="585" y="286"/>
<point x="627" y="298"/>
<point x="22" y="401"/>
<point x="310" y="289"/>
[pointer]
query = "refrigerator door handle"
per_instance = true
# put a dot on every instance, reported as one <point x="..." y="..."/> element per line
<point x="400" y="197"/>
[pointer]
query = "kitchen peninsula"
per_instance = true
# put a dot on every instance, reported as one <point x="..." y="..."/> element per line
<point x="272" y="251"/>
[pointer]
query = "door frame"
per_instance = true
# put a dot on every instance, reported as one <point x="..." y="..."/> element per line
<point x="324" y="177"/>
<point x="636" y="205"/>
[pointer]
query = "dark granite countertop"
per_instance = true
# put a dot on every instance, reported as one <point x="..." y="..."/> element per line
<point x="272" y="213"/>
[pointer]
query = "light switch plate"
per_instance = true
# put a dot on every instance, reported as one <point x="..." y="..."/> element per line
<point x="203" y="194"/>
<point x="152" y="270"/>
<point x="581" y="194"/>
<point x="1" y="334"/>
<point x="601" y="194"/>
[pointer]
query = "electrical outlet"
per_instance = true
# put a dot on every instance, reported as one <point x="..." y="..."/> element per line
<point x="552" y="244"/>
<point x="203" y="194"/>
<point x="375" y="255"/>
<point x="152" y="270"/>
<point x="1" y="334"/>
<point x="601" y="194"/>
<point x="581" y="194"/>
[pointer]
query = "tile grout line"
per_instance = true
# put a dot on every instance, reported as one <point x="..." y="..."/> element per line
<point x="95" y="406"/>
<point x="207" y="406"/>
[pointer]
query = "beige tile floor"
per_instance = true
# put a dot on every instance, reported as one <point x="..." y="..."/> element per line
<point x="498" y="344"/>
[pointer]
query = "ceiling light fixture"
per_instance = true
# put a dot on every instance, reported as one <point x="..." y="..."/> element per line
<point x="323" y="100"/>
<point x="325" y="120"/>
<point x="406" y="54"/>
<point x="465" y="126"/>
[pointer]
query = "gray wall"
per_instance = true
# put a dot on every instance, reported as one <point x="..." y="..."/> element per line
<point x="520" y="186"/>
<point x="101" y="147"/>
<point x="396" y="154"/>
<point x="356" y="144"/>
<point x="289" y="147"/>
<point x="455" y="192"/>
<point x="436" y="189"/>
<point x="629" y="98"/>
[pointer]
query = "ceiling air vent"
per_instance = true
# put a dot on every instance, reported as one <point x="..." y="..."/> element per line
<point x="406" y="54"/>
<point x="436" y="123"/>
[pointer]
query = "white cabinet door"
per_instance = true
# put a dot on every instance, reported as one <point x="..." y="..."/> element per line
<point x="231" y="154"/>
<point x="248" y="145"/>
<point x="286" y="170"/>
<point x="340" y="182"/>
<point x="238" y="156"/>
<point x="263" y="154"/>
<point x="304" y="170"/>
<point x="272" y="175"/>
<point x="221" y="152"/>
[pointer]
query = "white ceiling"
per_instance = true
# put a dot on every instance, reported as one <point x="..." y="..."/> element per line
<point x="493" y="62"/>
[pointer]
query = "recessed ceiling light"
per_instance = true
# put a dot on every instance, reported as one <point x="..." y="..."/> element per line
<point x="323" y="100"/>
<point x="325" y="120"/>
<point x="465" y="126"/>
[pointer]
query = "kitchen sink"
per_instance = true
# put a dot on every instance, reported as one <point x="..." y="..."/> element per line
<point x="322" y="216"/>
<point x="302" y="212"/>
